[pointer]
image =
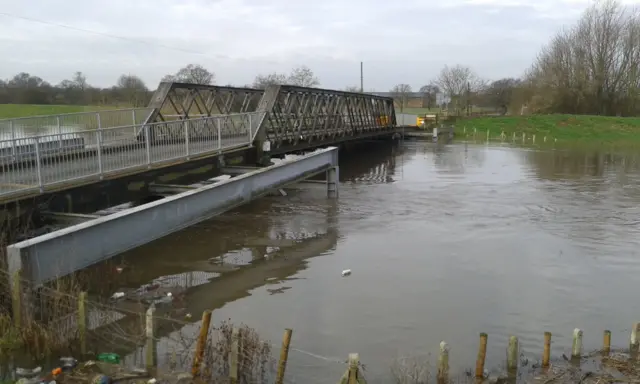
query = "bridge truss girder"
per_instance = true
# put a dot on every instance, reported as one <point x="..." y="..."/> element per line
<point x="297" y="115"/>
<point x="292" y="116"/>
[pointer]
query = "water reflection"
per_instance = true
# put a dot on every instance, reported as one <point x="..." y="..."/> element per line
<point x="444" y="242"/>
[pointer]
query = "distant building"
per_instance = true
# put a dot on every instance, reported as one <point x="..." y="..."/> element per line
<point x="414" y="99"/>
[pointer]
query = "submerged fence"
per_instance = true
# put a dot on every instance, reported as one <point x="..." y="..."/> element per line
<point x="160" y="335"/>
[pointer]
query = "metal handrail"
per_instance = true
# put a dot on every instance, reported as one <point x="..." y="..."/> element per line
<point x="31" y="164"/>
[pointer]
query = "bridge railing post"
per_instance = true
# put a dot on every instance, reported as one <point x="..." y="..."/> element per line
<point x="186" y="138"/>
<point x="99" y="152"/>
<point x="219" y="132"/>
<point x="38" y="163"/>
<point x="147" y="143"/>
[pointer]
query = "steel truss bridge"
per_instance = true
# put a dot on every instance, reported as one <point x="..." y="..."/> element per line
<point x="291" y="117"/>
<point x="182" y="123"/>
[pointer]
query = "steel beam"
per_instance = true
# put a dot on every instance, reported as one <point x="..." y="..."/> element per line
<point x="59" y="253"/>
<point x="299" y="116"/>
<point x="181" y="101"/>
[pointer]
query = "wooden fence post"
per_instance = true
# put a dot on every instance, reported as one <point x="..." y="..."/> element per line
<point x="606" y="343"/>
<point x="284" y="354"/>
<point x="443" y="363"/>
<point x="546" y="353"/>
<point x="82" y="322"/>
<point x="151" y="353"/>
<point x="354" y="362"/>
<point x="482" y="354"/>
<point x="16" y="298"/>
<point x="202" y="343"/>
<point x="512" y="354"/>
<point x="633" y="339"/>
<point x="233" y="355"/>
<point x="576" y="347"/>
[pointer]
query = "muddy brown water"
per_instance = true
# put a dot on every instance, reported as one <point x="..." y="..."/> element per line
<point x="444" y="242"/>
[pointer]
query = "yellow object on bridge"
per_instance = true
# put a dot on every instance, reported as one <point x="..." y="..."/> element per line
<point x="422" y="121"/>
<point x="383" y="120"/>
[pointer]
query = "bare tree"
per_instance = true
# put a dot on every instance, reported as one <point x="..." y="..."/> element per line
<point x="133" y="89"/>
<point x="457" y="83"/>
<point x="593" y="67"/>
<point x="400" y="94"/>
<point x="193" y="74"/>
<point x="303" y="77"/>
<point x="352" y="88"/>
<point x="500" y="94"/>
<point x="429" y="95"/>
<point x="262" y="81"/>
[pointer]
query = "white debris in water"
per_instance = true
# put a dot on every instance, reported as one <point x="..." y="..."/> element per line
<point x="169" y="294"/>
<point x="117" y="295"/>
<point x="220" y="178"/>
<point x="346" y="272"/>
<point x="291" y="157"/>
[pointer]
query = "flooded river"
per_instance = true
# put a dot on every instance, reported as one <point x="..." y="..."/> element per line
<point x="444" y="242"/>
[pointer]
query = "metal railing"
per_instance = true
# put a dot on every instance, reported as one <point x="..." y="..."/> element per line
<point x="30" y="164"/>
<point x="21" y="127"/>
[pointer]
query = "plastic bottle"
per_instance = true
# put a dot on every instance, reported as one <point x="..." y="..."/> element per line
<point x="112" y="358"/>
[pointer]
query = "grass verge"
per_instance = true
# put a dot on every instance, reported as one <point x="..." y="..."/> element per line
<point x="602" y="129"/>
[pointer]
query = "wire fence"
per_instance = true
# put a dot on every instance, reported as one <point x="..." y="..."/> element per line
<point x="60" y="320"/>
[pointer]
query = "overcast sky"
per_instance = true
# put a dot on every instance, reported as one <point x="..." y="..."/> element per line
<point x="400" y="41"/>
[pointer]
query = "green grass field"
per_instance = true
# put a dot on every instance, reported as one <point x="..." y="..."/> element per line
<point x="561" y="127"/>
<point x="8" y="111"/>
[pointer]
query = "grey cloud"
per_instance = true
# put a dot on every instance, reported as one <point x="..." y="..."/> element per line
<point x="402" y="41"/>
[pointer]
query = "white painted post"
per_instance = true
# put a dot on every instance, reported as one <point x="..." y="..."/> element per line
<point x="250" y="129"/>
<point x="435" y="134"/>
<point x="443" y="363"/>
<point x="512" y="354"/>
<point x="576" y="349"/>
<point x="151" y="353"/>
<point x="633" y="339"/>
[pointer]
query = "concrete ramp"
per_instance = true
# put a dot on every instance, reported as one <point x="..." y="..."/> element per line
<point x="45" y="258"/>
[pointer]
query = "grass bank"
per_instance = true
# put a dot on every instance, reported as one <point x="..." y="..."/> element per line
<point x="9" y="111"/>
<point x="565" y="128"/>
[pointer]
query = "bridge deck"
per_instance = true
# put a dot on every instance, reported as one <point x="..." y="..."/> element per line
<point x="33" y="165"/>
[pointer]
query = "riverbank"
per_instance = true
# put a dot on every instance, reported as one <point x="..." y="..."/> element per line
<point x="565" y="128"/>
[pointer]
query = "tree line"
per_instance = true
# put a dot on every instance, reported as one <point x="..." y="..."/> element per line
<point x="129" y="90"/>
<point x="592" y="67"/>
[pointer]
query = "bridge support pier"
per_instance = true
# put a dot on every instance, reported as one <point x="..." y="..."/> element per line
<point x="333" y="175"/>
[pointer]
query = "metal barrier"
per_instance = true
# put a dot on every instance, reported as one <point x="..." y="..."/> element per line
<point x="69" y="122"/>
<point x="33" y="163"/>
<point x="406" y="119"/>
